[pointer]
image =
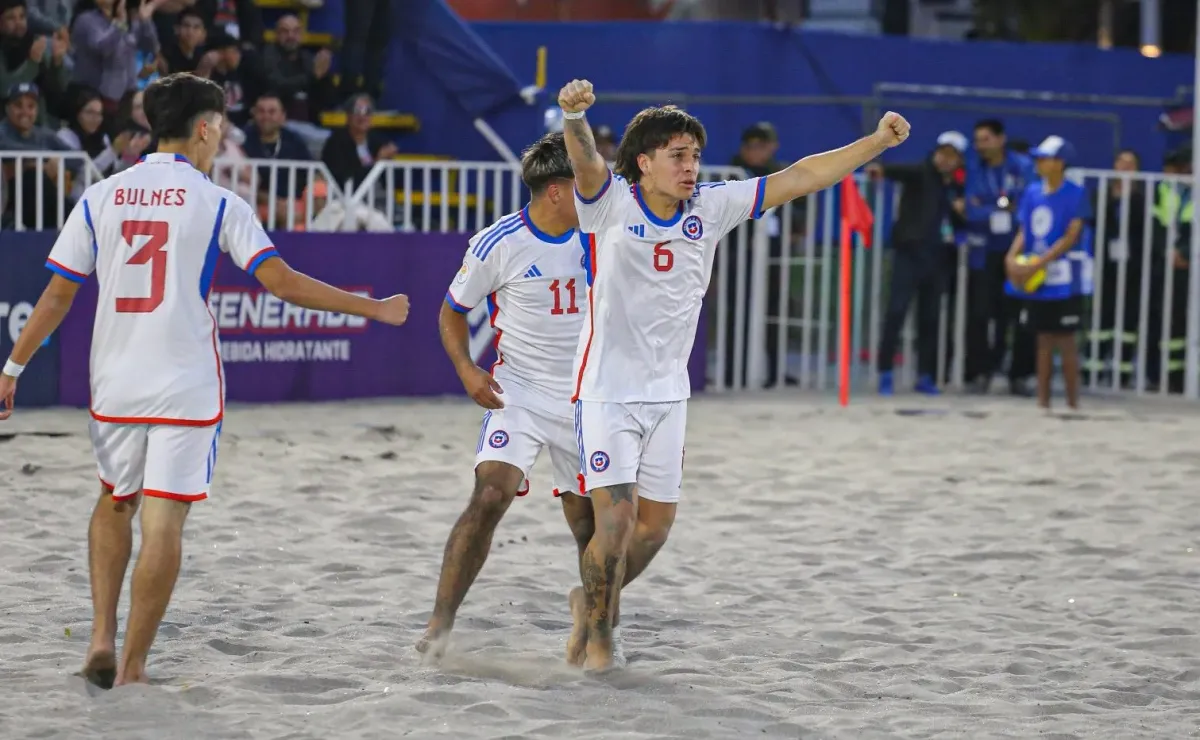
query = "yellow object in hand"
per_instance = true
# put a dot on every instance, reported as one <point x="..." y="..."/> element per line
<point x="1035" y="280"/>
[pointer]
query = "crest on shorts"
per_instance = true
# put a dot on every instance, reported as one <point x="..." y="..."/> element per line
<point x="693" y="228"/>
<point x="599" y="461"/>
<point x="498" y="438"/>
<point x="462" y="274"/>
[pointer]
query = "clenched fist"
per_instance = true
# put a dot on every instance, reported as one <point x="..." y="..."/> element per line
<point x="392" y="310"/>
<point x="576" y="96"/>
<point x="893" y="129"/>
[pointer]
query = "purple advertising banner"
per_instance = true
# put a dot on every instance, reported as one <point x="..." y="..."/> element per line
<point x="273" y="351"/>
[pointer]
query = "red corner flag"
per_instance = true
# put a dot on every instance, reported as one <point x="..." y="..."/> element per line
<point x="856" y="218"/>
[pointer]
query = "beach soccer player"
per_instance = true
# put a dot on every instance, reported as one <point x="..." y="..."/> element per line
<point x="153" y="235"/>
<point x="652" y="230"/>
<point x="1050" y="265"/>
<point x="529" y="269"/>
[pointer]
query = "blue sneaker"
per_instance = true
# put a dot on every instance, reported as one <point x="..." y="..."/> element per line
<point x="886" y="383"/>
<point x="926" y="385"/>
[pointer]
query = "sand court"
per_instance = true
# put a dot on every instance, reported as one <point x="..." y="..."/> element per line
<point x="979" y="572"/>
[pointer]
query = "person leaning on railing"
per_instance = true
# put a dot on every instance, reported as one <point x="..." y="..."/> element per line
<point x="20" y="133"/>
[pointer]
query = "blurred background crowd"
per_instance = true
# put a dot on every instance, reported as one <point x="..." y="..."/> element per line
<point x="318" y="93"/>
<point x="73" y="71"/>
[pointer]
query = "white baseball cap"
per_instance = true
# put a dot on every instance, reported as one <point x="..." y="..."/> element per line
<point x="953" y="139"/>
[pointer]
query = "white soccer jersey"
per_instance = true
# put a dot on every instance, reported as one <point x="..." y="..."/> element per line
<point x="153" y="234"/>
<point x="535" y="286"/>
<point x="648" y="280"/>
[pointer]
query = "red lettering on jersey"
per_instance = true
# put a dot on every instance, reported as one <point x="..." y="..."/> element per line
<point x="167" y="197"/>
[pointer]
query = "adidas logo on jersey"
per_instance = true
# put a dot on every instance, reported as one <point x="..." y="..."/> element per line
<point x="533" y="272"/>
<point x="639" y="230"/>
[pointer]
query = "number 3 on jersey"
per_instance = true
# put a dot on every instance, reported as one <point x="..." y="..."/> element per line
<point x="151" y="252"/>
<point x="664" y="259"/>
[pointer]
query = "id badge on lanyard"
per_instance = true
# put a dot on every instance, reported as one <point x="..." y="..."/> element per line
<point x="1000" y="220"/>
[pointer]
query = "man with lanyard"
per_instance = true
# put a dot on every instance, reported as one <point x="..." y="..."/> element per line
<point x="996" y="177"/>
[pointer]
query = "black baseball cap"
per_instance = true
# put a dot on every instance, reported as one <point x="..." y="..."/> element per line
<point x="21" y="89"/>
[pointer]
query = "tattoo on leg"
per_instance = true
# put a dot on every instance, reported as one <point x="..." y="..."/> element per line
<point x="621" y="492"/>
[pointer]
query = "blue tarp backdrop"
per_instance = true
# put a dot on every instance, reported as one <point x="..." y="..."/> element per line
<point x="670" y="61"/>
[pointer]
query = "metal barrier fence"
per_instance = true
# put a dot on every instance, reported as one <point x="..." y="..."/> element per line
<point x="773" y="298"/>
<point x="51" y="182"/>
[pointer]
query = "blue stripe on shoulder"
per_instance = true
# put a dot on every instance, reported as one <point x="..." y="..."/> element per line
<point x="495" y="233"/>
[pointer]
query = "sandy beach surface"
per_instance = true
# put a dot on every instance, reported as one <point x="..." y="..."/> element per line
<point x="981" y="571"/>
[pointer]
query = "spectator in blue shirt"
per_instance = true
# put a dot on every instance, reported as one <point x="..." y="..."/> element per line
<point x="1053" y="245"/>
<point x="996" y="178"/>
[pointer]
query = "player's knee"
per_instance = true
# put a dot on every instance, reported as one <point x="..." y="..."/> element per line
<point x="492" y="494"/>
<point x="578" y="511"/>
<point x="652" y="535"/>
<point x="615" y="525"/>
<point x="162" y="520"/>
<point x="126" y="506"/>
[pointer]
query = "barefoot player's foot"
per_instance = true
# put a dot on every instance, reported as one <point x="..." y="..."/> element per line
<point x="433" y="643"/>
<point x="577" y="642"/>
<point x="598" y="656"/>
<point x="131" y="674"/>
<point x="100" y="667"/>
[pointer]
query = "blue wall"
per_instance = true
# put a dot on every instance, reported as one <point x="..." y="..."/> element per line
<point x="753" y="59"/>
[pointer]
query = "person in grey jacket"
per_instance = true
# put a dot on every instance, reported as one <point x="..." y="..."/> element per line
<point x="105" y="39"/>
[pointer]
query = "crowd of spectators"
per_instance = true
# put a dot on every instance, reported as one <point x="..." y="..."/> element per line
<point x="72" y="74"/>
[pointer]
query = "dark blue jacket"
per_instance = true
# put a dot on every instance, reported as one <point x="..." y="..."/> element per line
<point x="984" y="188"/>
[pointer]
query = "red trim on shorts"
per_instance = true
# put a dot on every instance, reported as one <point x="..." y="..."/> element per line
<point x="582" y="485"/>
<point x="591" y="324"/>
<point x="111" y="490"/>
<point x="523" y="489"/>
<point x="184" y="497"/>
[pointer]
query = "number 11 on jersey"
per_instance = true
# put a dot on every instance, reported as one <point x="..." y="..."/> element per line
<point x="569" y="289"/>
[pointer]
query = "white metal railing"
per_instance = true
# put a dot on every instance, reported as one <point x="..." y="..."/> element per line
<point x="773" y="299"/>
<point x="1139" y="333"/>
<point x="35" y="187"/>
<point x="281" y="190"/>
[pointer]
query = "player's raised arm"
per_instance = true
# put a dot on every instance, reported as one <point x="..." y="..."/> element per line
<point x="591" y="171"/>
<point x="819" y="171"/>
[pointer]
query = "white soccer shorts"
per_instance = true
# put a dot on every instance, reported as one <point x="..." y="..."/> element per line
<point x="160" y="460"/>
<point x="516" y="435"/>
<point x="638" y="443"/>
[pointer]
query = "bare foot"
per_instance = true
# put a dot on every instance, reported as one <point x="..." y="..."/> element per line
<point x="100" y="667"/>
<point x="599" y="657"/>
<point x="577" y="642"/>
<point x="132" y="675"/>
<point x="433" y="643"/>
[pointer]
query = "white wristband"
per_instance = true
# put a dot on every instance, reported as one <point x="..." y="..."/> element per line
<point x="573" y="116"/>
<point x="12" y="369"/>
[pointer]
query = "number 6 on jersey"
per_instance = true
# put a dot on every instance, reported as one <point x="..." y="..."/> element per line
<point x="151" y="252"/>
<point x="664" y="259"/>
